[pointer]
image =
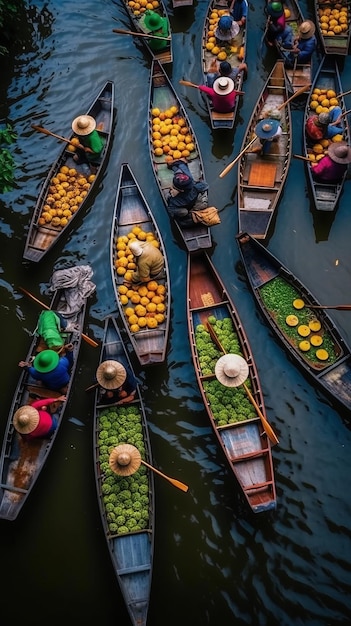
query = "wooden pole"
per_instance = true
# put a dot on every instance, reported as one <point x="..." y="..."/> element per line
<point x="120" y="31"/>
<point x="231" y="165"/>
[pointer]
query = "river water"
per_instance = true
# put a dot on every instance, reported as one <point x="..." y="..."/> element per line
<point x="215" y="563"/>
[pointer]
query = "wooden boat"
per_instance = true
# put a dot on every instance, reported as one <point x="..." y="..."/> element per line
<point x="22" y="461"/>
<point x="51" y="220"/>
<point x="164" y="56"/>
<point x="261" y="178"/>
<point x="132" y="213"/>
<point x="235" y="54"/>
<point x="182" y="3"/>
<point x="163" y="97"/>
<point x="240" y="433"/>
<point x="131" y="546"/>
<point x="276" y="289"/>
<point x="325" y="195"/>
<point x="302" y="74"/>
<point x="334" y="40"/>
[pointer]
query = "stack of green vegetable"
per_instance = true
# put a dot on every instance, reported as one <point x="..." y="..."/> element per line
<point x="228" y="405"/>
<point x="125" y="498"/>
<point x="278" y="296"/>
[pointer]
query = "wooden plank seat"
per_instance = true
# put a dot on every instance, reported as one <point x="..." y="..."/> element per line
<point x="262" y="174"/>
<point x="249" y="455"/>
<point x="222" y="116"/>
<point x="133" y="569"/>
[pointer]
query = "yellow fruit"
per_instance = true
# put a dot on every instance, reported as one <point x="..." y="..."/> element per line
<point x="337" y="138"/>
<point x="287" y="12"/>
<point x="151" y="307"/>
<point x="135" y="298"/>
<point x="160" y="308"/>
<point x="158" y="151"/>
<point x="144" y="301"/>
<point x="159" y="317"/>
<point x="298" y="303"/>
<point x="71" y="148"/>
<point x="129" y="311"/>
<point x="142" y="322"/>
<point x="304" y="345"/>
<point x="140" y="310"/>
<point x="161" y="289"/>
<point x="317" y="148"/>
<point x="292" y="320"/>
<point x="316" y="340"/>
<point x="304" y="330"/>
<point x="151" y="322"/>
<point x="132" y="319"/>
<point x="322" y="354"/>
<point x="123" y="299"/>
<point x="122" y="289"/>
<point x="221" y="56"/>
<point x="215" y="50"/>
<point x="134" y="328"/>
<point x="121" y="271"/>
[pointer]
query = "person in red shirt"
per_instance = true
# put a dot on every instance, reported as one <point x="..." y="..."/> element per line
<point x="34" y="421"/>
<point x="222" y="94"/>
<point x="332" y="167"/>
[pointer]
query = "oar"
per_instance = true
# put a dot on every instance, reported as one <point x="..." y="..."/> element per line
<point x="339" y="307"/>
<point x="231" y="165"/>
<point x="267" y="427"/>
<point x="297" y="93"/>
<point x="345" y="93"/>
<point x="120" y="31"/>
<point x="85" y="337"/>
<point x="302" y="158"/>
<point x="173" y="481"/>
<point x="45" y="131"/>
<point x="92" y="387"/>
<point x="187" y="83"/>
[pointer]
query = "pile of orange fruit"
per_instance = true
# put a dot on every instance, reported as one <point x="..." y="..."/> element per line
<point x="140" y="6"/>
<point x="221" y="52"/>
<point x="143" y="305"/>
<point x="67" y="191"/>
<point x="170" y="134"/>
<point x="333" y="19"/>
<point x="322" y="101"/>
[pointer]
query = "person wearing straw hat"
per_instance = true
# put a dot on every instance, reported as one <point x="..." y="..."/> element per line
<point x="149" y="261"/>
<point x="157" y="26"/>
<point x="304" y="45"/>
<point x="84" y="126"/>
<point x="332" y="167"/>
<point x="34" y="421"/>
<point x="231" y="370"/>
<point x="117" y="384"/>
<point x="51" y="369"/>
<point x="222" y="94"/>
<point x="125" y="459"/>
<point x="226" y="30"/>
<point x="267" y="130"/>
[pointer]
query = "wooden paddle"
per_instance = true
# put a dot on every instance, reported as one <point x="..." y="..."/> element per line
<point x="45" y="131"/>
<point x="120" y="31"/>
<point x="339" y="307"/>
<point x="302" y="158"/>
<point x="345" y="93"/>
<point x="92" y="387"/>
<point x="231" y="165"/>
<point x="187" y="83"/>
<point x="173" y="481"/>
<point x="297" y="93"/>
<point x="90" y="341"/>
<point x="266" y="425"/>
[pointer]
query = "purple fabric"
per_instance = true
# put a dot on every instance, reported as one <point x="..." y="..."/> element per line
<point x="221" y="104"/>
<point x="328" y="171"/>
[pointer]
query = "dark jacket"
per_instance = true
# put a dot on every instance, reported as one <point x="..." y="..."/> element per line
<point x="179" y="206"/>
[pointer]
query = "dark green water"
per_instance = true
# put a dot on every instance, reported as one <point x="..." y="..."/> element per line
<point x="215" y="564"/>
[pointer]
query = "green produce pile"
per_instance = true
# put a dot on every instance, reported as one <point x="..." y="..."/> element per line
<point x="278" y="297"/>
<point x="125" y="498"/>
<point x="228" y="405"/>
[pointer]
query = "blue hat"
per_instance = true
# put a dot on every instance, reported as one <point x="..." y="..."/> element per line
<point x="225" y="22"/>
<point x="181" y="181"/>
<point x="267" y="128"/>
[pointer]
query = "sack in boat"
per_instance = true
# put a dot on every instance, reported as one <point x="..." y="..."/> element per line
<point x="49" y="329"/>
<point x="208" y="216"/>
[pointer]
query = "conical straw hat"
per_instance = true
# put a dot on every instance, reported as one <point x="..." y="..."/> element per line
<point x="125" y="459"/>
<point x="111" y="374"/>
<point x="26" y="419"/>
<point x="231" y="370"/>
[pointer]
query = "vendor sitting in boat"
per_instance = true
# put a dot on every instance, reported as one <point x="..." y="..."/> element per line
<point x="324" y="125"/>
<point x="222" y="94"/>
<point x="267" y="130"/>
<point x="84" y="126"/>
<point x="36" y="421"/>
<point x="117" y="385"/>
<point x="332" y="167"/>
<point x="227" y="29"/>
<point x="185" y="194"/>
<point x="52" y="370"/>
<point x="149" y="261"/>
<point x="152" y="22"/>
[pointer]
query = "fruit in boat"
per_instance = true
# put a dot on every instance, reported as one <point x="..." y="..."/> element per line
<point x="292" y="320"/>
<point x="315" y="325"/>
<point x="316" y="340"/>
<point x="322" y="354"/>
<point x="304" y="330"/>
<point x="298" y="303"/>
<point x="304" y="345"/>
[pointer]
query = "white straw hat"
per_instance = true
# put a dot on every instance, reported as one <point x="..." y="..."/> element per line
<point x="111" y="374"/>
<point x="26" y="419"/>
<point x="125" y="459"/>
<point x="231" y="370"/>
<point x="83" y="125"/>
<point x="223" y="85"/>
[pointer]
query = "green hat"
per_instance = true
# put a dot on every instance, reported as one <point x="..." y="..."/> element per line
<point x="153" y="21"/>
<point x="46" y="361"/>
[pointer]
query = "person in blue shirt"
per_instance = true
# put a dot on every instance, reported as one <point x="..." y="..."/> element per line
<point x="303" y="46"/>
<point x="239" y="10"/>
<point x="52" y="370"/>
<point x="183" y="194"/>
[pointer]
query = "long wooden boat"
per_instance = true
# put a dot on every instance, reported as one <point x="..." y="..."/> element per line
<point x="261" y="178"/>
<point x="234" y="420"/>
<point x="163" y="98"/>
<point x="335" y="39"/>
<point x="128" y="523"/>
<point x="301" y="75"/>
<point x="309" y="335"/>
<point x="235" y="54"/>
<point x="22" y="461"/>
<point x="132" y="216"/>
<point x="325" y="195"/>
<point x="68" y="189"/>
<point x="164" y="56"/>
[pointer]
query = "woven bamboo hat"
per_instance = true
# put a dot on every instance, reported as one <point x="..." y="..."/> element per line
<point x="111" y="374"/>
<point x="125" y="459"/>
<point x="26" y="419"/>
<point x="231" y="370"/>
<point x="223" y="85"/>
<point x="83" y="125"/>
<point x="340" y="152"/>
<point x="306" y="29"/>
